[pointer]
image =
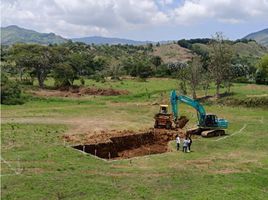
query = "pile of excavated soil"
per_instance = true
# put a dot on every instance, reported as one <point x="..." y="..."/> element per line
<point x="78" y="92"/>
<point x="124" y="144"/>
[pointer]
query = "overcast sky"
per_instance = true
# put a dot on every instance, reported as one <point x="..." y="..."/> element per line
<point x="138" y="19"/>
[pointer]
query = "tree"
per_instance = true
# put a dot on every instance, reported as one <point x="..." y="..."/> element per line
<point x="193" y="75"/>
<point x="220" y="60"/>
<point x="262" y="71"/>
<point x="143" y="69"/>
<point x="190" y="74"/>
<point x="99" y="63"/>
<point x="181" y="71"/>
<point x="156" y="60"/>
<point x="64" y="74"/>
<point x="82" y="63"/>
<point x="35" y="58"/>
<point x="206" y="80"/>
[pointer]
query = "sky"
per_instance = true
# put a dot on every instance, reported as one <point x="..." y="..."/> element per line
<point x="153" y="20"/>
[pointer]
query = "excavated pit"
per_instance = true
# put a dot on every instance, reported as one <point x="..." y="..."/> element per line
<point x="127" y="144"/>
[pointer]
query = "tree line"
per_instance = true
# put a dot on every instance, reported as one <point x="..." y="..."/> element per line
<point x="75" y="61"/>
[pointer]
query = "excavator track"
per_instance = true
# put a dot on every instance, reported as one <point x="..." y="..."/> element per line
<point x="212" y="133"/>
<point x="205" y="132"/>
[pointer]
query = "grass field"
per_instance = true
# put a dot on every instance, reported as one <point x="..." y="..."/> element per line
<point x="37" y="164"/>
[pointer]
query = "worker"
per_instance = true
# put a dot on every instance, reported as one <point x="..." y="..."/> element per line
<point x="164" y="110"/>
<point x="190" y="143"/>
<point x="178" y="141"/>
<point x="185" y="144"/>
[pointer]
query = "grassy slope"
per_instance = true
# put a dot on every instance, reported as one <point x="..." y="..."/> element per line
<point x="235" y="167"/>
<point x="251" y="49"/>
<point x="14" y="34"/>
<point x="260" y="36"/>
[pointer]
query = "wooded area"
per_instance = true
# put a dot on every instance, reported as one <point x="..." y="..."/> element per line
<point x="67" y="62"/>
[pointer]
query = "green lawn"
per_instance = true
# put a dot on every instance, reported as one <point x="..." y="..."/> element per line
<point x="37" y="164"/>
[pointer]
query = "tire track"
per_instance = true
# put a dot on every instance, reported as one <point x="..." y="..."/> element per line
<point x="243" y="128"/>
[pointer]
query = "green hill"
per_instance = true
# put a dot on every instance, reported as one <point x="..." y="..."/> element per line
<point x="261" y="37"/>
<point x="14" y="34"/>
<point x="243" y="49"/>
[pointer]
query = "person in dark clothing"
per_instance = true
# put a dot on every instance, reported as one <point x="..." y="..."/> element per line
<point x="190" y="143"/>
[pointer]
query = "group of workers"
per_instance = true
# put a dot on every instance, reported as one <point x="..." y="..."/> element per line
<point x="187" y="142"/>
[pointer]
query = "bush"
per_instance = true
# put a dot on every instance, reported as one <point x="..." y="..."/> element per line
<point x="10" y="92"/>
<point x="98" y="77"/>
<point x="242" y="80"/>
<point x="64" y="75"/>
<point x="82" y="81"/>
<point x="246" y="102"/>
<point x="26" y="82"/>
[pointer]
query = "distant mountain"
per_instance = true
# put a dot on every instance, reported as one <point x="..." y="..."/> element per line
<point x="261" y="37"/>
<point x="106" y="40"/>
<point x="14" y="34"/>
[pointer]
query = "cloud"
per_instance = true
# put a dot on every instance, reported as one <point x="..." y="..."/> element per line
<point x="227" y="11"/>
<point x="107" y="17"/>
<point x="73" y="18"/>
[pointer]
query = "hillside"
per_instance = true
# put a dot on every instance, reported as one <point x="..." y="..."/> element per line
<point x="106" y="40"/>
<point x="14" y="34"/>
<point x="250" y="49"/>
<point x="172" y="53"/>
<point x="261" y="37"/>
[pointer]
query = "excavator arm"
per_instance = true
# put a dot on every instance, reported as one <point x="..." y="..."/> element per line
<point x="175" y="99"/>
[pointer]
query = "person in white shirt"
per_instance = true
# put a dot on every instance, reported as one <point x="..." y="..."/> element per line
<point x="178" y="141"/>
<point x="186" y="142"/>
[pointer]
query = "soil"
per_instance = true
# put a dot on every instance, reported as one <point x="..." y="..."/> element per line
<point x="124" y="144"/>
<point x="78" y="92"/>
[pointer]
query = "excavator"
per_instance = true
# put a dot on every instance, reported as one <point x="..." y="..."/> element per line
<point x="209" y="125"/>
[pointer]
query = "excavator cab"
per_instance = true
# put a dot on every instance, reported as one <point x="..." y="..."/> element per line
<point x="163" y="109"/>
<point x="211" y="120"/>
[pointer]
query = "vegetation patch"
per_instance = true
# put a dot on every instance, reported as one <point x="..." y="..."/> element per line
<point x="261" y="101"/>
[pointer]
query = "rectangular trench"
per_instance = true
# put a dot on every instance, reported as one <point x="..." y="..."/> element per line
<point x="127" y="146"/>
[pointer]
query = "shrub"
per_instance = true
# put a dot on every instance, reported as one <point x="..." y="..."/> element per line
<point x="64" y="75"/>
<point x="246" y="102"/>
<point x="10" y="92"/>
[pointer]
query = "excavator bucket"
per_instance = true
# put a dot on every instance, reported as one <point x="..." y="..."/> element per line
<point x="181" y="122"/>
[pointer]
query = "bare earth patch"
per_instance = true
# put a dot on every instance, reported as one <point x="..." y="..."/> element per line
<point x="226" y="171"/>
<point x="172" y="53"/>
<point x="123" y="144"/>
<point x="78" y="92"/>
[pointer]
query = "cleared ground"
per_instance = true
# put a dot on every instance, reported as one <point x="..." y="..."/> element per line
<point x="36" y="163"/>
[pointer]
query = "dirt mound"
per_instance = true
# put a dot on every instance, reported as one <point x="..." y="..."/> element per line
<point x="124" y="144"/>
<point x="78" y="92"/>
<point x="102" y="91"/>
